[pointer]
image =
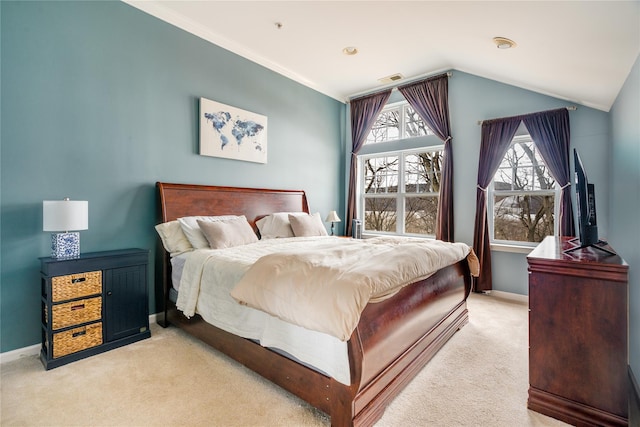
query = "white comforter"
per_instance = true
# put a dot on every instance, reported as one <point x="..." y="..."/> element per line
<point x="209" y="276"/>
<point x="325" y="287"/>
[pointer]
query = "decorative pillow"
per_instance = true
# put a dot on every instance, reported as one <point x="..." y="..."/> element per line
<point x="189" y="225"/>
<point x="227" y="234"/>
<point x="276" y="225"/>
<point x="307" y="225"/>
<point x="173" y="239"/>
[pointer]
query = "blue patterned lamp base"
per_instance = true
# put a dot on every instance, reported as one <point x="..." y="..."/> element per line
<point x="65" y="245"/>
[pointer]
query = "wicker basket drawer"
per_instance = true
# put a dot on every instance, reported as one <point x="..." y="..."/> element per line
<point x="77" y="339"/>
<point x="76" y="312"/>
<point x="76" y="285"/>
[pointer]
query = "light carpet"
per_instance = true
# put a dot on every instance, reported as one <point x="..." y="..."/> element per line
<point x="479" y="378"/>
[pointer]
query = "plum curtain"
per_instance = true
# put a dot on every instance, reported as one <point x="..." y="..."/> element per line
<point x="550" y="132"/>
<point x="496" y="137"/>
<point x="430" y="99"/>
<point x="364" y="112"/>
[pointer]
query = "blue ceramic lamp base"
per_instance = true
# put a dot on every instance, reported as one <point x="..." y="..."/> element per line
<point x="65" y="245"/>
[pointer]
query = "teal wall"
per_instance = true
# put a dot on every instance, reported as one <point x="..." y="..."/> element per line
<point x="624" y="192"/>
<point x="100" y="101"/>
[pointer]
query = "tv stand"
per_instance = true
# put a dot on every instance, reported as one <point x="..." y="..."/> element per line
<point x="578" y="335"/>
<point x="600" y="244"/>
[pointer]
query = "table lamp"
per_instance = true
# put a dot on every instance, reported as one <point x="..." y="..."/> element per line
<point x="332" y="218"/>
<point x="66" y="216"/>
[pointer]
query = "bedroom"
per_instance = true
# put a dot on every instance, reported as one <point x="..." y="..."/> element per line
<point x="100" y="114"/>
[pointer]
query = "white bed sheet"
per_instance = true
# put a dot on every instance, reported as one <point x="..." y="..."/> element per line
<point x="320" y="351"/>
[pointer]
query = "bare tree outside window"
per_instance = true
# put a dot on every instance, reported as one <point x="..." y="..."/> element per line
<point x="423" y="172"/>
<point x="381" y="175"/>
<point x="421" y="214"/>
<point x="524" y="195"/>
<point x="413" y="124"/>
<point x="380" y="214"/>
<point x="400" y="189"/>
<point x="381" y="178"/>
<point x="386" y="127"/>
<point x="418" y="192"/>
<point x="423" y="175"/>
<point x="399" y="121"/>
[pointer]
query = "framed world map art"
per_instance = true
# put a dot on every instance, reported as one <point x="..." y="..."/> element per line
<point x="232" y="133"/>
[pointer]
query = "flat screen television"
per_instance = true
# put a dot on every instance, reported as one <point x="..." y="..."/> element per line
<point x="586" y="207"/>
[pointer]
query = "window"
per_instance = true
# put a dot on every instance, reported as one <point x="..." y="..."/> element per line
<point x="523" y="199"/>
<point x="399" y="180"/>
<point x="399" y="191"/>
<point x="397" y="121"/>
<point x="399" y="176"/>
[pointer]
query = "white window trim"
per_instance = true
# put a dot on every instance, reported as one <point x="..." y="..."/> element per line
<point x="513" y="248"/>
<point x="400" y="196"/>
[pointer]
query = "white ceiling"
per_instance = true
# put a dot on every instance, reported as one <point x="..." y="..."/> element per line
<point x="581" y="51"/>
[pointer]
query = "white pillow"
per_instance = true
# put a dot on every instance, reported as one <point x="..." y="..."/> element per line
<point x="276" y="225"/>
<point x="189" y="225"/>
<point x="307" y="225"/>
<point x="173" y="238"/>
<point x="227" y="234"/>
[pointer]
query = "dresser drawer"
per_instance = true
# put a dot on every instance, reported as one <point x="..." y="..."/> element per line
<point x="77" y="339"/>
<point x="76" y="312"/>
<point x="76" y="285"/>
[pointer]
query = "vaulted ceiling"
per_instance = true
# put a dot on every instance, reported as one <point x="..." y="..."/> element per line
<point x="581" y="51"/>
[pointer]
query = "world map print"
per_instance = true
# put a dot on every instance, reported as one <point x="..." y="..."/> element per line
<point x="229" y="132"/>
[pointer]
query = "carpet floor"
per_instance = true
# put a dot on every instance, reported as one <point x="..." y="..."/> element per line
<point x="479" y="378"/>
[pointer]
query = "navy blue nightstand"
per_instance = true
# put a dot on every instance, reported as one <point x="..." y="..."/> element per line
<point x="92" y="304"/>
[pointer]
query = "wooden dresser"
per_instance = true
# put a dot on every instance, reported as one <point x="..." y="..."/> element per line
<point x="578" y="334"/>
<point x="93" y="303"/>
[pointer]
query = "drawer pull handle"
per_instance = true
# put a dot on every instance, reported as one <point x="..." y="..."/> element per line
<point x="79" y="280"/>
<point x="77" y="307"/>
<point x="77" y="334"/>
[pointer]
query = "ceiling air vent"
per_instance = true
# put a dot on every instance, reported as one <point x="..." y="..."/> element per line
<point x="392" y="78"/>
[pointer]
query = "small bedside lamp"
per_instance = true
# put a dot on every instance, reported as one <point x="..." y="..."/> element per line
<point x="332" y="218"/>
<point x="65" y="215"/>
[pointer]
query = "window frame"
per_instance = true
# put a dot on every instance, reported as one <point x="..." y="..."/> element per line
<point x="401" y="195"/>
<point x="403" y="106"/>
<point x="513" y="245"/>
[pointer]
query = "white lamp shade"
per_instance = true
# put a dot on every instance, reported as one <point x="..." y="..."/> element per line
<point x="65" y="215"/>
<point x="332" y="217"/>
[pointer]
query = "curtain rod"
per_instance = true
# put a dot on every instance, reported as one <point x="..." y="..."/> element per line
<point x="394" y="86"/>
<point x="570" y="108"/>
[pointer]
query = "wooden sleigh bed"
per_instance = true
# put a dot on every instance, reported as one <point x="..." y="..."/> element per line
<point x="394" y="339"/>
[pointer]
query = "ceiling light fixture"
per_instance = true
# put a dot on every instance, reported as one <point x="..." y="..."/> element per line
<point x="504" y="43"/>
<point x="350" y="50"/>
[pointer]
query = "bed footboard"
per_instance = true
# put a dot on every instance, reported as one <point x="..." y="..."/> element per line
<point x="400" y="335"/>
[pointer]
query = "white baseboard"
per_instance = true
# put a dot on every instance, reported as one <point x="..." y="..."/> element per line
<point x="10" y="356"/>
<point x="34" y="350"/>
<point x="510" y="296"/>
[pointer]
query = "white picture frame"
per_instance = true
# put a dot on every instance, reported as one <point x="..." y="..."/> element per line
<point x="232" y="133"/>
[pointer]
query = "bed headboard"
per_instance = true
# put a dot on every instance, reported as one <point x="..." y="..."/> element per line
<point x="178" y="200"/>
